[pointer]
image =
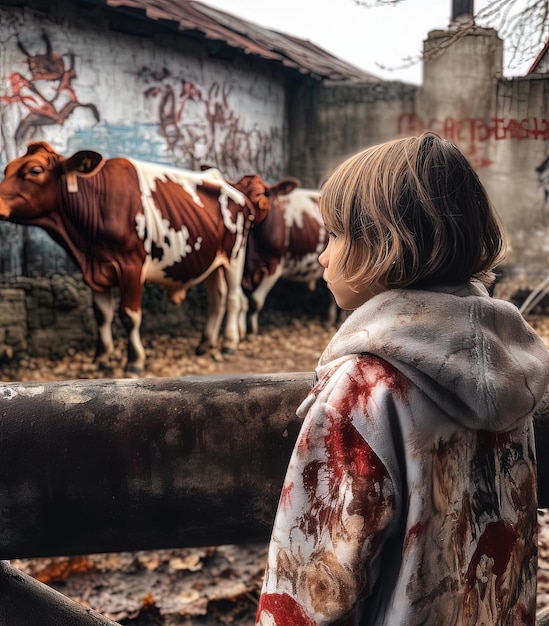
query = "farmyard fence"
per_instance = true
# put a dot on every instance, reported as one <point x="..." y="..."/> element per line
<point x="94" y="466"/>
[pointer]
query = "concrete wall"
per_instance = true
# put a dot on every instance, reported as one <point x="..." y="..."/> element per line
<point x="330" y="121"/>
<point x="502" y="125"/>
<point x="518" y="147"/>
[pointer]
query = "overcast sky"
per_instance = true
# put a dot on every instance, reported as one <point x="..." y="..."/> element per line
<point x="368" y="38"/>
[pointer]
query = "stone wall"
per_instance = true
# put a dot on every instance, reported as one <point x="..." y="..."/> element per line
<point x="13" y="323"/>
<point x="52" y="316"/>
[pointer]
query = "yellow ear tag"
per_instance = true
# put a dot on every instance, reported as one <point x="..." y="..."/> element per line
<point x="264" y="203"/>
<point x="72" y="182"/>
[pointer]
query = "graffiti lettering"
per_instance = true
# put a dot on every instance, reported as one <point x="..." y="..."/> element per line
<point x="471" y="133"/>
<point x="199" y="126"/>
<point x="472" y="130"/>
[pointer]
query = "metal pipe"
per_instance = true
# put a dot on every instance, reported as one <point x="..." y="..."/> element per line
<point x="93" y="466"/>
<point x="24" y="600"/>
<point x="113" y="465"/>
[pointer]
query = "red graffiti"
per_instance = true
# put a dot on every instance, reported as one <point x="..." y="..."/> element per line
<point x="212" y="131"/>
<point x="472" y="132"/>
<point x="49" y="70"/>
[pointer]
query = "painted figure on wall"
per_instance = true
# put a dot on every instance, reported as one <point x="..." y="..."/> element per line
<point x="45" y="95"/>
<point x="41" y="96"/>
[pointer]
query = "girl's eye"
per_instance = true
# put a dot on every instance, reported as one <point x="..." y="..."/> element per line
<point x="332" y="235"/>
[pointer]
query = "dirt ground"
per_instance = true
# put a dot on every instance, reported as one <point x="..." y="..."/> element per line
<point x="199" y="586"/>
<point x="291" y="347"/>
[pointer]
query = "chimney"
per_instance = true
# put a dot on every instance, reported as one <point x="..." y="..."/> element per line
<point x="462" y="9"/>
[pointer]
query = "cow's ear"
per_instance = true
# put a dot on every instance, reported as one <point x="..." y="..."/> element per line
<point x="83" y="162"/>
<point x="284" y="186"/>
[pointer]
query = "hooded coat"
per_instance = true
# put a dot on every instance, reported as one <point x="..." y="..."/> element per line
<point x="410" y="497"/>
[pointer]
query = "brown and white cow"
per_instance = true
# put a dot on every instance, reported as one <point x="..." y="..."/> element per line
<point x="285" y="245"/>
<point x="126" y="222"/>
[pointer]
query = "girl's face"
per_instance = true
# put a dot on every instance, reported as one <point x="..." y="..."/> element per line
<point x="346" y="298"/>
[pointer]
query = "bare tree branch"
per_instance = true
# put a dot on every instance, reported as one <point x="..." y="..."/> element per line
<point x="522" y="24"/>
<point x="376" y="3"/>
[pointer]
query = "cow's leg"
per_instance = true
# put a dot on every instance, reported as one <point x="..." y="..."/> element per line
<point x="216" y="290"/>
<point x="243" y="318"/>
<point x="131" y="320"/>
<point x="103" y="310"/>
<point x="235" y="299"/>
<point x="130" y="316"/>
<point x="258" y="297"/>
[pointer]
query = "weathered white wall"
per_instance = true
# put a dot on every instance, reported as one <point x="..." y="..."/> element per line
<point x="502" y="126"/>
<point x="517" y="150"/>
<point x="160" y="99"/>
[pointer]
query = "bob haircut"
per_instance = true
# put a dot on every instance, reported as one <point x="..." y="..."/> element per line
<point x="412" y="213"/>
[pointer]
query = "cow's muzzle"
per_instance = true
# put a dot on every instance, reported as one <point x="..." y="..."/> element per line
<point x="5" y="210"/>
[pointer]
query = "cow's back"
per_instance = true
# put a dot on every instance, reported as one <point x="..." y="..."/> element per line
<point x="190" y="222"/>
<point x="306" y="235"/>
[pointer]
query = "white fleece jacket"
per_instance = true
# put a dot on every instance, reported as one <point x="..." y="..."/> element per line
<point x="410" y="498"/>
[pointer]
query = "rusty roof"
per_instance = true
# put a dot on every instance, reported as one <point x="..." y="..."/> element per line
<point x="214" y="24"/>
<point x="539" y="59"/>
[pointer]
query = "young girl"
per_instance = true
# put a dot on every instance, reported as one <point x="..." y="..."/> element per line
<point x="411" y="493"/>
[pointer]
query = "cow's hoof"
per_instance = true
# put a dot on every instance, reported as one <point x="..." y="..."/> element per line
<point x="133" y="371"/>
<point x="201" y="350"/>
<point x="228" y="350"/>
<point x="105" y="363"/>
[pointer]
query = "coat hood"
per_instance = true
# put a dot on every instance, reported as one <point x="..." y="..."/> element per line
<point x="474" y="356"/>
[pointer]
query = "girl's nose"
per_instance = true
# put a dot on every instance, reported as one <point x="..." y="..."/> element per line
<point x="323" y="259"/>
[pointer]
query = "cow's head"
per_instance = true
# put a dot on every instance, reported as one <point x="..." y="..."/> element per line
<point x="30" y="188"/>
<point x="261" y="194"/>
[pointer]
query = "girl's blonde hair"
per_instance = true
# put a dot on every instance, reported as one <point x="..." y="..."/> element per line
<point x="412" y="213"/>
